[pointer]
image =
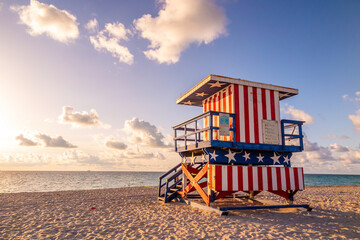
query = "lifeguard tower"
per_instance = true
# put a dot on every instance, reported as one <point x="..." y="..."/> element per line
<point x="239" y="143"/>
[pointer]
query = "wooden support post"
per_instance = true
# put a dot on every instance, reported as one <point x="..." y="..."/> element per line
<point x="185" y="138"/>
<point x="251" y="192"/>
<point x="196" y="135"/>
<point x="175" y="135"/>
<point x="211" y="128"/>
<point x="184" y="181"/>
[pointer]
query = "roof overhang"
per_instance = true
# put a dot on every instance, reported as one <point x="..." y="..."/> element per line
<point x="214" y="83"/>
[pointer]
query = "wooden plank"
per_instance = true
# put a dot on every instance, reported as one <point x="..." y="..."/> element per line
<point x="204" y="207"/>
<point x="264" y="207"/>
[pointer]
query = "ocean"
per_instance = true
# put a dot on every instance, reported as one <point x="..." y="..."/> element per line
<point x="16" y="181"/>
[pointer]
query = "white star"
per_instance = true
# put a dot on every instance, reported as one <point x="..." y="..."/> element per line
<point x="188" y="103"/>
<point x="213" y="155"/>
<point x="260" y="158"/>
<point x="275" y="158"/>
<point x="184" y="159"/>
<point x="231" y="156"/>
<point x="246" y="156"/>
<point x="201" y="94"/>
<point x="286" y="159"/>
<point x="216" y="84"/>
<point x="192" y="159"/>
<point x="203" y="158"/>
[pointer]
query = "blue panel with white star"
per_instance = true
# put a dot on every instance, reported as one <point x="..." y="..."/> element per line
<point x="229" y="156"/>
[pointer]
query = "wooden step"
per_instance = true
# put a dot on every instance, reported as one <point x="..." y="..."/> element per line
<point x="179" y="186"/>
<point x="161" y="199"/>
<point x="174" y="189"/>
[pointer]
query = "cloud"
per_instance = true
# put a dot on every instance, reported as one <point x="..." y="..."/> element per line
<point x="49" y="20"/>
<point x="141" y="154"/>
<point x="159" y="155"/>
<point x="23" y="141"/>
<point x="92" y="26"/>
<point x="74" y="156"/>
<point x="356" y="120"/>
<point x="355" y="98"/>
<point x="43" y="140"/>
<point x="178" y="24"/>
<point x="337" y="137"/>
<point x="351" y="157"/>
<point x="54" y="142"/>
<point x="319" y="159"/>
<point x="338" y="148"/>
<point x="145" y="133"/>
<point x="25" y="159"/>
<point x="81" y="119"/>
<point x="108" y="40"/>
<point x="115" y="144"/>
<point x="298" y="114"/>
<point x="314" y="151"/>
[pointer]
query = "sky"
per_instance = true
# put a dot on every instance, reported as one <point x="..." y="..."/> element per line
<point x="92" y="85"/>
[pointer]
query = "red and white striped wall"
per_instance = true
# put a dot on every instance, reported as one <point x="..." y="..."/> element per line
<point x="245" y="178"/>
<point x="251" y="105"/>
<point x="221" y="101"/>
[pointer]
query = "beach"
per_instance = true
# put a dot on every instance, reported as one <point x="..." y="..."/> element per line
<point x="135" y="213"/>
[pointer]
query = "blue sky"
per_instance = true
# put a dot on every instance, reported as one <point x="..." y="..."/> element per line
<point x="67" y="80"/>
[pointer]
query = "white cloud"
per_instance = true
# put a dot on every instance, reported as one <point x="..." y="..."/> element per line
<point x="25" y="159"/>
<point x="334" y="159"/>
<point x="351" y="157"/>
<point x="145" y="133"/>
<point x="74" y="156"/>
<point x="49" y="20"/>
<point x="355" y="98"/>
<point x="178" y="24"/>
<point x="109" y="38"/>
<point x="81" y="119"/>
<point x="338" y="148"/>
<point x="138" y="154"/>
<point x="356" y="120"/>
<point x="115" y="144"/>
<point x="54" y="141"/>
<point x="298" y="114"/>
<point x="92" y="26"/>
<point x="23" y="141"/>
<point x="159" y="155"/>
<point x="336" y="136"/>
<point x="43" y="140"/>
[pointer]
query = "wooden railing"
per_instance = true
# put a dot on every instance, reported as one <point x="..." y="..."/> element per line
<point x="169" y="180"/>
<point x="195" y="133"/>
<point x="296" y="132"/>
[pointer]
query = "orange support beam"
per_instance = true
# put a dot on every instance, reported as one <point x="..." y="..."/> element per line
<point x="194" y="182"/>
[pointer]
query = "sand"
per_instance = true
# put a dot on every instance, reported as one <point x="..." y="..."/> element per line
<point x="135" y="213"/>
